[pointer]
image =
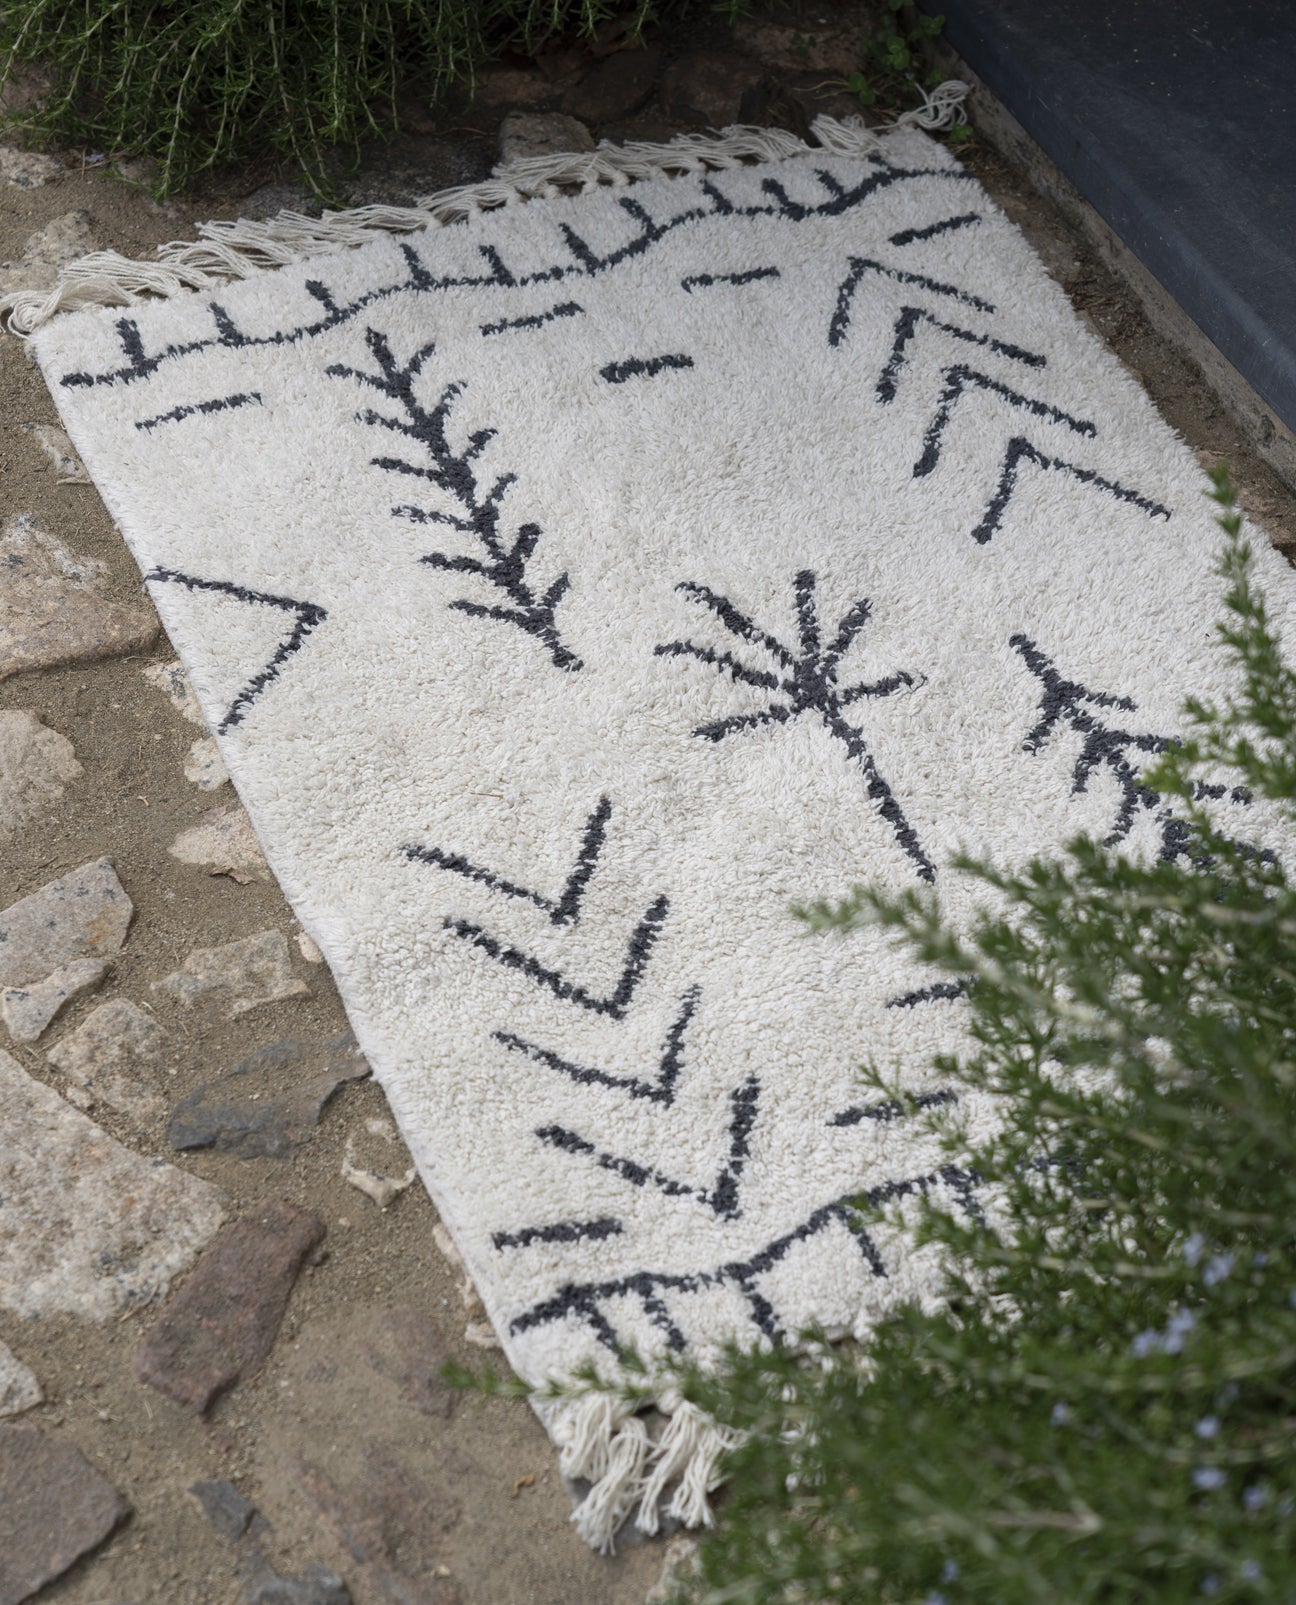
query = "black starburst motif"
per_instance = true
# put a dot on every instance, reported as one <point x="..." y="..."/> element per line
<point x="805" y="679"/>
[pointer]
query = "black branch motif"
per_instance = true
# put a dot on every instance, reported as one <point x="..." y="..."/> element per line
<point x="1020" y="450"/>
<point x="719" y="1196"/>
<point x="306" y="615"/>
<point x="476" y="508"/>
<point x="660" y="1090"/>
<point x="893" y="1109"/>
<point x="805" y="680"/>
<point x="585" y="1301"/>
<point x="1105" y="745"/>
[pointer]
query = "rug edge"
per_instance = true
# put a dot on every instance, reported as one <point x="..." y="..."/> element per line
<point x="228" y="250"/>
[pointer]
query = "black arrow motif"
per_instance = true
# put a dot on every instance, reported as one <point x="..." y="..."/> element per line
<point x="721" y="1197"/>
<point x="661" y="1090"/>
<point x="1020" y="451"/>
<point x="306" y="616"/>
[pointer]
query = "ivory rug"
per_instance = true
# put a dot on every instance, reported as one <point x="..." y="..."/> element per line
<point x="575" y="586"/>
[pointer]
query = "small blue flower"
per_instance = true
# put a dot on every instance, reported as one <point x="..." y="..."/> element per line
<point x="950" y="1571"/>
<point x="1060" y="1411"/>
<point x="1210" y="1584"/>
<point x="1250" y="1569"/>
<point x="1208" y="1478"/>
<point x="1217" y="1268"/>
<point x="1255" y="1497"/>
<point x="1207" y="1427"/>
<point x="935" y="1599"/>
<point x="1146" y="1343"/>
<point x="1260" y="1259"/>
<point x="1181" y="1323"/>
<point x="1194" y="1248"/>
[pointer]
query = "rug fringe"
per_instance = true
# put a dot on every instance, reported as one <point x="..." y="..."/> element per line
<point x="609" y="1446"/>
<point x="233" y="250"/>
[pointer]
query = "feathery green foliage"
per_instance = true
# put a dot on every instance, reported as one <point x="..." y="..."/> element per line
<point x="1106" y="1411"/>
<point x="197" y="85"/>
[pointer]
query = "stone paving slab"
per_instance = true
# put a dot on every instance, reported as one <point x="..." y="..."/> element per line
<point x="86" y="1226"/>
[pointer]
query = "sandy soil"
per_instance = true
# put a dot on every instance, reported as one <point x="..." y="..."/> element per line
<point x="445" y="1470"/>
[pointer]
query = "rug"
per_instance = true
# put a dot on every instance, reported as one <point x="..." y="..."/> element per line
<point x="575" y="585"/>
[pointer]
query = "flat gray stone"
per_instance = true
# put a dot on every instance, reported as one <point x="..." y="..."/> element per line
<point x="54" y="604"/>
<point x="47" y="251"/>
<point x="54" y="1508"/>
<point x="19" y="1389"/>
<point x="59" y="452"/>
<point x="317" y="1585"/>
<point x="541" y="133"/>
<point x="83" y="914"/>
<point x="28" y="1010"/>
<point x="225" y="1507"/>
<point x="243" y="1114"/>
<point x="236" y="977"/>
<point x="36" y="763"/>
<point x="27" y="169"/>
<point x="111" y="1058"/>
<point x="87" y="1227"/>
<point x="224" y="843"/>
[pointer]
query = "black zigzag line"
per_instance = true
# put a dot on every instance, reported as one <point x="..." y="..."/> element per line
<point x="584" y="1300"/>
<point x="906" y="327"/>
<point x="704" y="281"/>
<point x="662" y="1090"/>
<point x="941" y="992"/>
<point x="893" y="1108"/>
<point x="585" y="263"/>
<point x="910" y="236"/>
<point x="566" y="309"/>
<point x="860" y="265"/>
<point x="250" y="398"/>
<point x="565" y="910"/>
<point x="638" y="952"/>
<point x="957" y="380"/>
<point x="568" y="1231"/>
<point x="616" y="373"/>
<point x="1020" y="450"/>
<point x="308" y="615"/>
<point x="721" y="1197"/>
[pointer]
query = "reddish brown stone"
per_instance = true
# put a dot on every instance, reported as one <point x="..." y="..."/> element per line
<point x="54" y="1508"/>
<point x="222" y="1323"/>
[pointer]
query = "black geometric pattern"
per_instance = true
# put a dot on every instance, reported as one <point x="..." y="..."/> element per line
<point x="893" y="1109"/>
<point x="505" y="561"/>
<point x="1107" y="746"/>
<point x="586" y="1301"/>
<point x="248" y="398"/>
<point x="1020" y="450"/>
<point x="833" y="200"/>
<point x="957" y="381"/>
<point x="659" y="1090"/>
<point x="805" y="681"/>
<point x="907" y="325"/>
<point x="306" y="615"/>
<point x="840" y="323"/>
<point x="563" y="910"/>
<point x="720" y="1196"/>
<point x="947" y="225"/>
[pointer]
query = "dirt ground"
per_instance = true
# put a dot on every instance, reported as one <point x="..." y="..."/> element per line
<point x="467" y="1492"/>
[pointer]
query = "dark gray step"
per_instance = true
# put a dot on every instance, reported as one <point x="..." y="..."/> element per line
<point x="1176" y="120"/>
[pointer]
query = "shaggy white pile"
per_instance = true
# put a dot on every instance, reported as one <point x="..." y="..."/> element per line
<point x="575" y="587"/>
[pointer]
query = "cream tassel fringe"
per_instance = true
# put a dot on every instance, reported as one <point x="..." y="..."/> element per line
<point x="234" y="250"/>
<point x="606" y="1444"/>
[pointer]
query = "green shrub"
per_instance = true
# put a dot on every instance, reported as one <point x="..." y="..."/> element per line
<point x="1106" y="1410"/>
<point x="197" y="83"/>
